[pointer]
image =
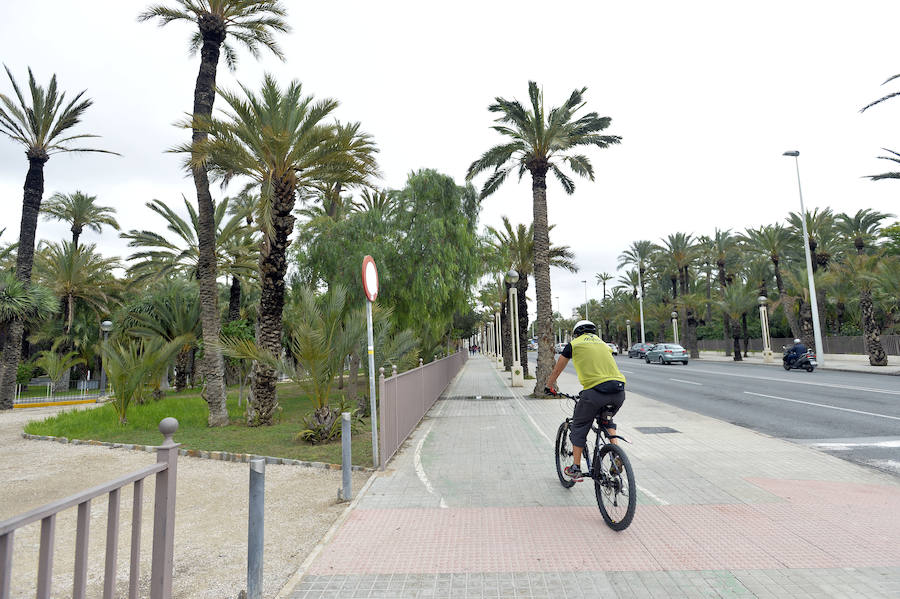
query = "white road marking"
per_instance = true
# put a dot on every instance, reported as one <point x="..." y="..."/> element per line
<point x="822" y="405"/>
<point x="687" y="382"/>
<point x="843" y="446"/>
<point x="799" y="382"/>
<point x="549" y="440"/>
<point x="420" y="471"/>
<point x="626" y="371"/>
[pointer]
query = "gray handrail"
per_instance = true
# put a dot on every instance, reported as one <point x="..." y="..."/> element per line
<point x="72" y="500"/>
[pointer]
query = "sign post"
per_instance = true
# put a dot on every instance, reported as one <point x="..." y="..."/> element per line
<point x="370" y="286"/>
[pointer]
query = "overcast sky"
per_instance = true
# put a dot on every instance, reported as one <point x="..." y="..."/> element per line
<point x="706" y="96"/>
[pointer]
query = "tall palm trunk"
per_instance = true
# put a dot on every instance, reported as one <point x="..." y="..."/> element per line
<point x="272" y="268"/>
<point x="31" y="206"/>
<point x="234" y="299"/>
<point x="787" y="302"/>
<point x="182" y="362"/>
<point x="726" y="321"/>
<point x="76" y="233"/>
<point x="807" y="333"/>
<point x="542" y="289"/>
<point x="736" y="338"/>
<point x="522" y="306"/>
<point x="212" y="29"/>
<point x="506" y="331"/>
<point x="871" y="331"/>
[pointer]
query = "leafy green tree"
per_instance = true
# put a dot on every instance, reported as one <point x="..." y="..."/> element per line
<point x="42" y="125"/>
<point x="219" y="23"/>
<point x="79" y="210"/>
<point x="133" y="364"/>
<point x="55" y="364"/>
<point x="541" y="142"/>
<point x="863" y="271"/>
<point x="281" y="141"/>
<point x="425" y="282"/>
<point x="772" y="242"/>
<point x="736" y="301"/>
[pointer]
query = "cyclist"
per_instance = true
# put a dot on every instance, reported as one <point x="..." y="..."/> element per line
<point x="795" y="351"/>
<point x="603" y="386"/>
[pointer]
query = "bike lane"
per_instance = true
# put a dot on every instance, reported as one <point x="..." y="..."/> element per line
<point x="471" y="507"/>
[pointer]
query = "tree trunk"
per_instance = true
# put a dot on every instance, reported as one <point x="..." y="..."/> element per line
<point x="522" y="301"/>
<point x="31" y="206"/>
<point x="787" y="302"/>
<point x="542" y="289"/>
<point x="691" y="336"/>
<point x="736" y="338"/>
<point x="745" y="333"/>
<point x="506" y="331"/>
<point x="76" y="233"/>
<point x="234" y="300"/>
<point x="212" y="30"/>
<point x="871" y="331"/>
<point x="181" y="370"/>
<point x="726" y="321"/>
<point x="807" y="334"/>
<point x="272" y="268"/>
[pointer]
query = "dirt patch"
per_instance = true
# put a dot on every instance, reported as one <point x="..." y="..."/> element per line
<point x="210" y="520"/>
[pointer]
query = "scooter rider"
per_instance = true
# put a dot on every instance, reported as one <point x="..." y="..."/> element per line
<point x="795" y="351"/>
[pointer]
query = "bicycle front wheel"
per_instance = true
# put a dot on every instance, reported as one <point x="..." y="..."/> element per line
<point x="614" y="486"/>
<point x="563" y="454"/>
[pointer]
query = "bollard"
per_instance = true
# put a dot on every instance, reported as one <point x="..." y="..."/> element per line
<point x="255" y="531"/>
<point x="346" y="457"/>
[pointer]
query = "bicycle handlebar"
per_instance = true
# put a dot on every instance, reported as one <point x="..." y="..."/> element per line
<point x="550" y="391"/>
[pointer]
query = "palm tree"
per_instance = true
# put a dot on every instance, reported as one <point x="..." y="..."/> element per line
<point x="737" y="300"/>
<point x="862" y="228"/>
<point x="639" y="255"/>
<point x="863" y="270"/>
<point x="602" y="279"/>
<point x="380" y="202"/>
<point x="281" y="141"/>
<point x="819" y="232"/>
<point x="75" y="273"/>
<point x="681" y="250"/>
<point x="540" y="142"/>
<point x="57" y="365"/>
<point x="163" y="257"/>
<point x="772" y="242"/>
<point x="516" y="245"/>
<point x="80" y="211"/>
<point x="43" y="128"/>
<point x="219" y="22"/>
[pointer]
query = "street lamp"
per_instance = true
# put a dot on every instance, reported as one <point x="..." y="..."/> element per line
<point x="764" y="326"/>
<point x="628" y="327"/>
<point x="641" y="301"/>
<point x="516" y="377"/>
<point x="817" y="333"/>
<point x="675" y="325"/>
<point x="106" y="327"/>
<point x="498" y="331"/>
<point x="586" y="313"/>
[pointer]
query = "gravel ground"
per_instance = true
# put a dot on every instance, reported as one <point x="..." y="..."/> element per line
<point x="210" y="520"/>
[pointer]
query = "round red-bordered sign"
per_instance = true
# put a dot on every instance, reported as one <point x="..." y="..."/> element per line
<point x="370" y="278"/>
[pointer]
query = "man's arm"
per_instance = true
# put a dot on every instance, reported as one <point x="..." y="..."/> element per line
<point x="557" y="370"/>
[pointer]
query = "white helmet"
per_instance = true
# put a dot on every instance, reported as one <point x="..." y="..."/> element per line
<point x="796" y="341"/>
<point x="583" y="326"/>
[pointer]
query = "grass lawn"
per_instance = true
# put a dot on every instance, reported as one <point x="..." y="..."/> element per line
<point x="188" y="407"/>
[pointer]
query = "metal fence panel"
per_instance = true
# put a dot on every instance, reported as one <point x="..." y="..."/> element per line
<point x="407" y="397"/>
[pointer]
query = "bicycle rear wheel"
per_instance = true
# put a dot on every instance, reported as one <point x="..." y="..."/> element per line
<point x="563" y="454"/>
<point x="614" y="486"/>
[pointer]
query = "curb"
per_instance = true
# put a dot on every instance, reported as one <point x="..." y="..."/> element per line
<point x="222" y="456"/>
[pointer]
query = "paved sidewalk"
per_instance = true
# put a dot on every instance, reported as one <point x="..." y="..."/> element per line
<point x="841" y="362"/>
<point x="471" y="507"/>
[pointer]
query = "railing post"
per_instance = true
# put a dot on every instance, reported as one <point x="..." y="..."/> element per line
<point x="381" y="410"/>
<point x="255" y="528"/>
<point x="164" y="514"/>
<point x="346" y="458"/>
<point x="422" y="388"/>
<point x="6" y="549"/>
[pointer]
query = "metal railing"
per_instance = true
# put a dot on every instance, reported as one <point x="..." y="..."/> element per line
<point x="854" y="344"/>
<point x="406" y="398"/>
<point x="165" y="470"/>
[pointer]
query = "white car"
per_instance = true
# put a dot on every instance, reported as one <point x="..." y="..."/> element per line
<point x="614" y="348"/>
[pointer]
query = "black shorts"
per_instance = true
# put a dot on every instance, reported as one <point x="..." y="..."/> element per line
<point x="590" y="406"/>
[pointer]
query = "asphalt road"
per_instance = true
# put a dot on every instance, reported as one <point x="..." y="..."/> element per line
<point x="855" y="416"/>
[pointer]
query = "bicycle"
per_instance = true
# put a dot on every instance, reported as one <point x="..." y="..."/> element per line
<point x="613" y="479"/>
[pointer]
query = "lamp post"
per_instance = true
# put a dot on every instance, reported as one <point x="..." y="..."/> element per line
<point x="498" y="332"/>
<point x="516" y="377"/>
<point x="817" y="333"/>
<point x="641" y="301"/>
<point x="586" y="312"/>
<point x="105" y="327"/>
<point x="675" y="326"/>
<point x="764" y="326"/>
<point x="628" y="328"/>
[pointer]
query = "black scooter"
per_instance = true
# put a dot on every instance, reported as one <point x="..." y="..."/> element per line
<point x="806" y="362"/>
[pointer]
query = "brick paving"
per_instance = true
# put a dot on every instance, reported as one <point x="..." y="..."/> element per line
<point x="471" y="507"/>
